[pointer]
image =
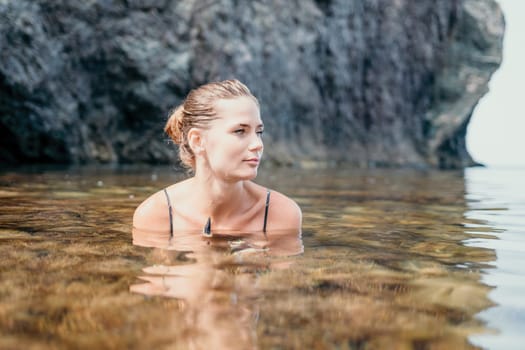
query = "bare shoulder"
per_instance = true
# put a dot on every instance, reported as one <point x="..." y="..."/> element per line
<point x="283" y="213"/>
<point x="152" y="213"/>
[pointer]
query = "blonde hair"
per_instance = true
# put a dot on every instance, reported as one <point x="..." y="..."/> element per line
<point x="197" y="111"/>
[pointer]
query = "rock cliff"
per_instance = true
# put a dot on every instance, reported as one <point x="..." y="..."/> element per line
<point x="372" y="82"/>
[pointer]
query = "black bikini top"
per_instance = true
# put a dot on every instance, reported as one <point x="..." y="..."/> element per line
<point x="207" y="227"/>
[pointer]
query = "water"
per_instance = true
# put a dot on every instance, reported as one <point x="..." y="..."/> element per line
<point x="497" y="198"/>
<point x="392" y="259"/>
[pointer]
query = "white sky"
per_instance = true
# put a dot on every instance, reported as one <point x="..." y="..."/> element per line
<point x="496" y="133"/>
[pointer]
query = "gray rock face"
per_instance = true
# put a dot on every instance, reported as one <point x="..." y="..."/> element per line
<point x="366" y="82"/>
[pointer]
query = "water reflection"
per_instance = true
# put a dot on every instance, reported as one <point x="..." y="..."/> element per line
<point x="216" y="278"/>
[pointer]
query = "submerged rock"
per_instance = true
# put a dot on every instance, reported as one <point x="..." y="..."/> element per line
<point x="366" y="82"/>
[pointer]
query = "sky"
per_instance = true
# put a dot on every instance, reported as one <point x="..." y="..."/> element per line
<point x="496" y="132"/>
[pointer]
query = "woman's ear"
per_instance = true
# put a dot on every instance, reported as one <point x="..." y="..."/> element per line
<point x="196" y="140"/>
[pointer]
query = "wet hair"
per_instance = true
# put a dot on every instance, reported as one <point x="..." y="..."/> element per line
<point x="198" y="110"/>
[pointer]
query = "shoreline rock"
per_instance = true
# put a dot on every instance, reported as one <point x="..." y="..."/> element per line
<point x="361" y="82"/>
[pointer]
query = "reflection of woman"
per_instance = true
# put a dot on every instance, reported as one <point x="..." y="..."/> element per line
<point x="219" y="132"/>
<point x="220" y="307"/>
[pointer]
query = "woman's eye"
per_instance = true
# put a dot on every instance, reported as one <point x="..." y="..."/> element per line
<point x="260" y="132"/>
<point x="239" y="131"/>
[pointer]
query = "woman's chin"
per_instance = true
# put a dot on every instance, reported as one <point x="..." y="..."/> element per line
<point x="247" y="175"/>
<point x="251" y="176"/>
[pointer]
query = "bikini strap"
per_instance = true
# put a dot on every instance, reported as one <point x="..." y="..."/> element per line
<point x="170" y="211"/>
<point x="266" y="210"/>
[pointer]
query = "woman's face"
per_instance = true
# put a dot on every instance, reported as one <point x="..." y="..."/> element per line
<point x="233" y="143"/>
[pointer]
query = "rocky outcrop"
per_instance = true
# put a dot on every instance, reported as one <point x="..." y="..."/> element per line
<point x="370" y="82"/>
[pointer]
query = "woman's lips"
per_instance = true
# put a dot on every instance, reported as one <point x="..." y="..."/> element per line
<point x="252" y="160"/>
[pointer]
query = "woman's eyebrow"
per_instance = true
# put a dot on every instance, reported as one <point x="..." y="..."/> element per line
<point x="248" y="125"/>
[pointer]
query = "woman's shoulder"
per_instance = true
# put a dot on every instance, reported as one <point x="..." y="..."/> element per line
<point x="283" y="212"/>
<point x="152" y="213"/>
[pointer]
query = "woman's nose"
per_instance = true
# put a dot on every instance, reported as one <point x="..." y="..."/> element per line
<point x="256" y="143"/>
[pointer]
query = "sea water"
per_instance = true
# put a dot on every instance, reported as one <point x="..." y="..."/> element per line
<point x="386" y="259"/>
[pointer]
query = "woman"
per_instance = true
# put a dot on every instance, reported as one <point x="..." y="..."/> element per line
<point x="219" y="132"/>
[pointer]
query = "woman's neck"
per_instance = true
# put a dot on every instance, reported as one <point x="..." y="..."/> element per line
<point x="219" y="199"/>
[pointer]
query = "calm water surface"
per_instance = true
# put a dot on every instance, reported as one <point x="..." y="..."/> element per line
<point x="393" y="259"/>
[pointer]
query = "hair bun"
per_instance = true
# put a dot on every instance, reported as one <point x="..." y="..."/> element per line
<point x="174" y="125"/>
